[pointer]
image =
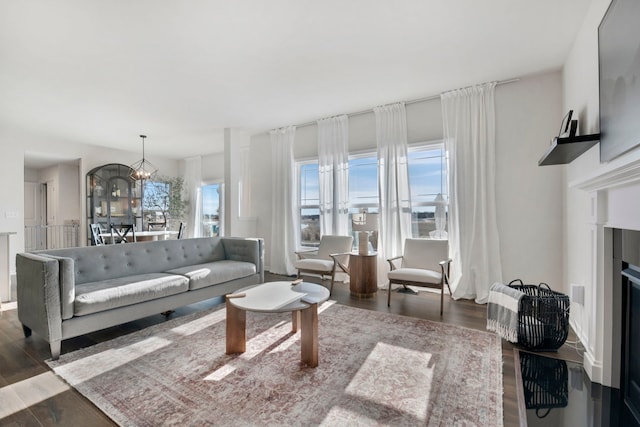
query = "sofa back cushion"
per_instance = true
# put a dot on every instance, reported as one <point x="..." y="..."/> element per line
<point x="96" y="263"/>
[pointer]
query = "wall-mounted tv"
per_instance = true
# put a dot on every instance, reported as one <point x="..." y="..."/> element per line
<point x="619" y="59"/>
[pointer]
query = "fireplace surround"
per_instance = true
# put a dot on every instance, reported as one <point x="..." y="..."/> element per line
<point x="626" y="297"/>
<point x="603" y="199"/>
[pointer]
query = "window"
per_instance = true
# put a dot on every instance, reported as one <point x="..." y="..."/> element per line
<point x="363" y="183"/>
<point x="155" y="203"/>
<point x="363" y="190"/>
<point x="309" y="203"/>
<point x="212" y="212"/>
<point x="427" y="179"/>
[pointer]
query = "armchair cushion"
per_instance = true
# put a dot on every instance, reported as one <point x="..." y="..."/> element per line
<point x="415" y="275"/>
<point x="314" y="264"/>
<point x="334" y="245"/>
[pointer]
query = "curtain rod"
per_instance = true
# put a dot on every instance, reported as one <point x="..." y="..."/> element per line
<point x="413" y="101"/>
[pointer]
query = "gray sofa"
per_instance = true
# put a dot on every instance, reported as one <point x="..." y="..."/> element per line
<point x="64" y="293"/>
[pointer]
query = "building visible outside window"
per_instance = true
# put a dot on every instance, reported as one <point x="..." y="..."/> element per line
<point x="427" y="179"/>
<point x="212" y="212"/>
<point x="309" y="203"/>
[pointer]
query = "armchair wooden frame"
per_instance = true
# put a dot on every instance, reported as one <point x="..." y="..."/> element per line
<point x="337" y="264"/>
<point x="445" y="268"/>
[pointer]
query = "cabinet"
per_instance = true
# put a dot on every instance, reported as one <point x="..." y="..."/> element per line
<point x="113" y="197"/>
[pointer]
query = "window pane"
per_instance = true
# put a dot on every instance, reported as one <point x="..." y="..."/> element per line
<point x="427" y="178"/>
<point x="310" y="226"/>
<point x="363" y="181"/>
<point x="156" y="202"/>
<point x="427" y="175"/>
<point x="210" y="210"/>
<point x="423" y="220"/>
<point x="309" y="185"/>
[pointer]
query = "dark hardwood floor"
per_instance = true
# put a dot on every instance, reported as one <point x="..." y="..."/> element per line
<point x="30" y="395"/>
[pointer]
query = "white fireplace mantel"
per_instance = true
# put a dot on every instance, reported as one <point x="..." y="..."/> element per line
<point x="614" y="193"/>
<point x="611" y="175"/>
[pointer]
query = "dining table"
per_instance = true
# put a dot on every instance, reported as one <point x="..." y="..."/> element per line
<point x="146" y="236"/>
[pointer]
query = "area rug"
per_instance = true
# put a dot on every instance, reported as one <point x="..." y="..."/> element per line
<point x="374" y="369"/>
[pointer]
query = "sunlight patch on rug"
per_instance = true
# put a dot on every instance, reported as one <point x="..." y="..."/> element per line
<point x="374" y="368"/>
<point x="411" y="379"/>
<point x="198" y="325"/>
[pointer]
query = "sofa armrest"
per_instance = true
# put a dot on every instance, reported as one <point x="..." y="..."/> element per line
<point x="38" y="286"/>
<point x="67" y="284"/>
<point x="247" y="250"/>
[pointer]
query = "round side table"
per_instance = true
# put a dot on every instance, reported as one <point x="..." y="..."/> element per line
<point x="363" y="273"/>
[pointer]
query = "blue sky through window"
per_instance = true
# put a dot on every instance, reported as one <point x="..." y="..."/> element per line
<point x="210" y="200"/>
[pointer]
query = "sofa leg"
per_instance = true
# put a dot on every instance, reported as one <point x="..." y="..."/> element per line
<point x="26" y="330"/>
<point x="167" y="313"/>
<point x="55" y="349"/>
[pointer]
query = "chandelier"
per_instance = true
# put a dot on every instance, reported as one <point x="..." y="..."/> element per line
<point x="143" y="169"/>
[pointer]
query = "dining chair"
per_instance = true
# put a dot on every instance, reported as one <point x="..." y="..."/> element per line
<point x="425" y="263"/>
<point x="180" y="231"/>
<point x="120" y="233"/>
<point x="96" y="237"/>
<point x="331" y="256"/>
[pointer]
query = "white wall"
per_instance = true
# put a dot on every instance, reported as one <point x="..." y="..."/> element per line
<point x="213" y="168"/>
<point x="529" y="197"/>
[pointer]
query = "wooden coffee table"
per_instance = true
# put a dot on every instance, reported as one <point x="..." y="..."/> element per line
<point x="301" y="300"/>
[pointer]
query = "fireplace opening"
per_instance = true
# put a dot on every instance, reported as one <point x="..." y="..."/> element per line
<point x="628" y="245"/>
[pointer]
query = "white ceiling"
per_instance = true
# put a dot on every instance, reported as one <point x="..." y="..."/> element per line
<point x="103" y="71"/>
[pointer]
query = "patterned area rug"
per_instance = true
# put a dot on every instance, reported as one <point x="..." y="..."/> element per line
<point x="375" y="369"/>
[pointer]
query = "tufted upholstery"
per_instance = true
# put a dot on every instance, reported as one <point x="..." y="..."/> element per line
<point x="96" y="263"/>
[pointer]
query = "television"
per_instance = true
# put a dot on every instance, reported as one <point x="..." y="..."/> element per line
<point x="619" y="63"/>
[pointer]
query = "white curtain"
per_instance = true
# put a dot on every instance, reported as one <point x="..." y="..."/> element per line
<point x="333" y="173"/>
<point x="393" y="183"/>
<point x="469" y="130"/>
<point x="193" y="184"/>
<point x="284" y="228"/>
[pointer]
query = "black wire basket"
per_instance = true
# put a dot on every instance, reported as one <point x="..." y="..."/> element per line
<point x="543" y="317"/>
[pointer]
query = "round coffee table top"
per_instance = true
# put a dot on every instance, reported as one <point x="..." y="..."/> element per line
<point x="275" y="297"/>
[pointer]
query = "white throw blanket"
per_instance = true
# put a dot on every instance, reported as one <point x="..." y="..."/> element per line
<point x="502" y="311"/>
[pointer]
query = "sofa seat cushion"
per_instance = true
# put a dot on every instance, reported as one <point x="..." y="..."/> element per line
<point x="107" y="294"/>
<point x="212" y="273"/>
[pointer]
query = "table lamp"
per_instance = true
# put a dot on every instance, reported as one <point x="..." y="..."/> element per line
<point x="364" y="223"/>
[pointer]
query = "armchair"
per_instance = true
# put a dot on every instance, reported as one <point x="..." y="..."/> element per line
<point x="425" y="263"/>
<point x="332" y="254"/>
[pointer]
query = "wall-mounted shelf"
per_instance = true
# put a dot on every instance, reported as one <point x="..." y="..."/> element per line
<point x="567" y="149"/>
